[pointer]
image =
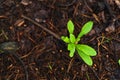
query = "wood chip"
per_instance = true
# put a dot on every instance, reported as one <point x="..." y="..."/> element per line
<point x="19" y="22"/>
<point x="25" y="2"/>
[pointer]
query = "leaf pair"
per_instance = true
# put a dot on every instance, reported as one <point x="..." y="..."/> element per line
<point x="86" y="49"/>
<point x="85" y="52"/>
<point x="85" y="29"/>
<point x="71" y="39"/>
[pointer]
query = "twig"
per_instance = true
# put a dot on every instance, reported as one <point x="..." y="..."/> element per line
<point x="94" y="15"/>
<point x="22" y="64"/>
<point x="95" y="73"/>
<point x="70" y="64"/>
<point x="39" y="25"/>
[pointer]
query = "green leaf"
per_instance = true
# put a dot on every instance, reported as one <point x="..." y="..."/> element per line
<point x="119" y="61"/>
<point x="85" y="29"/>
<point x="70" y="26"/>
<point x="72" y="38"/>
<point x="65" y="39"/>
<point x="71" y="48"/>
<point x="86" y="49"/>
<point x="87" y="59"/>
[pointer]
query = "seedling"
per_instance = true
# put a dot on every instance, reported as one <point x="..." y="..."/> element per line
<point x="84" y="51"/>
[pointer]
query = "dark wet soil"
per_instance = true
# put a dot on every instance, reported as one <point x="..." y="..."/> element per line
<point x="36" y="25"/>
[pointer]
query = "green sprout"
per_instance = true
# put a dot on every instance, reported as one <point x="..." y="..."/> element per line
<point x="84" y="51"/>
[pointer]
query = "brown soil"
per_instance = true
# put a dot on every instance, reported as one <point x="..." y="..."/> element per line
<point x="36" y="25"/>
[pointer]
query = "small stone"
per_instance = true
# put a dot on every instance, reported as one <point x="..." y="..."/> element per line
<point x="38" y="20"/>
<point x="110" y="28"/>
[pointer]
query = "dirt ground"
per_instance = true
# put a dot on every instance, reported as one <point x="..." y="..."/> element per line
<point x="36" y="27"/>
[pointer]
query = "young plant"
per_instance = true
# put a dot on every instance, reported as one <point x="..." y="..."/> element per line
<point x="84" y="51"/>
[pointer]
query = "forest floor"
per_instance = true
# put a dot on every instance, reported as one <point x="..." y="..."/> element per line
<point x="43" y="54"/>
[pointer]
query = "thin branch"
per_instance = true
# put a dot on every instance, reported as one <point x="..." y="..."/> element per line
<point x="42" y="27"/>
